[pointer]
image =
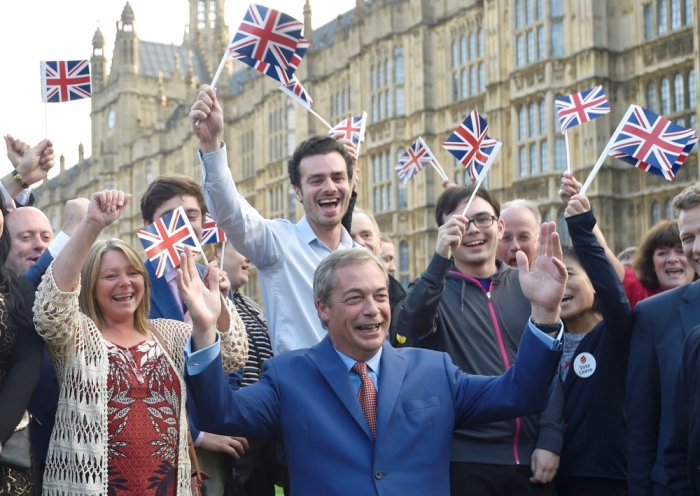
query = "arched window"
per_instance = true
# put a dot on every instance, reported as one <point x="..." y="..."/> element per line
<point x="518" y="14"/>
<point x="480" y="42"/>
<point x="668" y="210"/>
<point x="465" y="84"/>
<point x="529" y="12"/>
<point x="380" y="70"/>
<point x="403" y="257"/>
<point x="544" y="156"/>
<point x="521" y="123"/>
<point x="562" y="228"/>
<point x="149" y="174"/>
<point x="373" y="78"/>
<point x="678" y="93"/>
<point x="651" y="96"/>
<point x="655" y="213"/>
<point x="399" y="76"/>
<point x="482" y="78"/>
<point x="560" y="154"/>
<point x="661" y="16"/>
<point x="688" y="12"/>
<point x="533" y="120"/>
<point x="472" y="80"/>
<point x="692" y="101"/>
<point x="472" y="47"/>
<point x="455" y="54"/>
<point x="543" y="117"/>
<point x="463" y="50"/>
<point x="665" y="97"/>
<point x="675" y="14"/>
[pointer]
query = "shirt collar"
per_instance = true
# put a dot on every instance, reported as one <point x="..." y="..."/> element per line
<point x="308" y="235"/>
<point x="372" y="363"/>
<point x="171" y="274"/>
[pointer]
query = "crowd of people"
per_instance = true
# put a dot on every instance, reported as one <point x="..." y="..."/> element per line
<point x="512" y="365"/>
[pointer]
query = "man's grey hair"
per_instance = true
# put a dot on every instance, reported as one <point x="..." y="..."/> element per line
<point x="325" y="279"/>
<point x="370" y="217"/>
<point x="688" y="198"/>
<point x="523" y="203"/>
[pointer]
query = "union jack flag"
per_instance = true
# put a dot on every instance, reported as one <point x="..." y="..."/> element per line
<point x="297" y="92"/>
<point x="581" y="107"/>
<point x="354" y="128"/>
<point x="267" y="35"/>
<point x="166" y="238"/>
<point x="284" y="76"/>
<point x="651" y="142"/>
<point x="413" y="160"/>
<point x="65" y="80"/>
<point x="471" y="145"/>
<point x="211" y="233"/>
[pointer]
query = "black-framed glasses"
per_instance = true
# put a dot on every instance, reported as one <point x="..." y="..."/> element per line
<point x="481" y="221"/>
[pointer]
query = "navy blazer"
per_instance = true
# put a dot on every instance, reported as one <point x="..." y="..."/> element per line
<point x="662" y="325"/>
<point x="306" y="399"/>
<point x="44" y="401"/>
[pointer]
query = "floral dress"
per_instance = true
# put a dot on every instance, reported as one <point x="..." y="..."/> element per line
<point x="143" y="420"/>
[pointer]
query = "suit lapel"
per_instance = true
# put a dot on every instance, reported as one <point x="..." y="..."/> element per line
<point x="333" y="370"/>
<point x="162" y="298"/>
<point x="690" y="311"/>
<point x="391" y="374"/>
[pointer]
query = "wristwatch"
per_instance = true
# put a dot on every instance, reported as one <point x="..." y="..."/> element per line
<point x="18" y="177"/>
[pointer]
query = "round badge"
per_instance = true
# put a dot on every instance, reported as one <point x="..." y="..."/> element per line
<point x="584" y="365"/>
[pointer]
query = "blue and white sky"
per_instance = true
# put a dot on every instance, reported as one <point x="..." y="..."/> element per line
<point x="35" y="30"/>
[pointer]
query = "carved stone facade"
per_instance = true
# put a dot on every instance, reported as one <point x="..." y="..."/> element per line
<point x="418" y="67"/>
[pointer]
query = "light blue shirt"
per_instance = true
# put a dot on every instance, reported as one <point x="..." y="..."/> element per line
<point x="372" y="369"/>
<point x="199" y="360"/>
<point x="285" y="254"/>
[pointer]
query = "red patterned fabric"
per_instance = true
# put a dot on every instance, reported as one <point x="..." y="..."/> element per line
<point x="634" y="289"/>
<point x="143" y="420"/>
<point x="367" y="394"/>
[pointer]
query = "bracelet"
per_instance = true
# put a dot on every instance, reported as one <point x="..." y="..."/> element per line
<point x="18" y="177"/>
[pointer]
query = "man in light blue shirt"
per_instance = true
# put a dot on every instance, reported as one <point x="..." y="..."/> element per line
<point x="286" y="255"/>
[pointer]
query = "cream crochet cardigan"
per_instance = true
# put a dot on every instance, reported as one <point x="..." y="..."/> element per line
<point x="77" y="457"/>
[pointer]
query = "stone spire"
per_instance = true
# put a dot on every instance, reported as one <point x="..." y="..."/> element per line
<point x="359" y="11"/>
<point x="81" y="153"/>
<point x="126" y="48"/>
<point x="98" y="63"/>
<point x="308" y="30"/>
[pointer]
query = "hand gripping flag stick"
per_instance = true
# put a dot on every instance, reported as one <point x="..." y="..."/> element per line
<point x="222" y="64"/>
<point x="482" y="175"/>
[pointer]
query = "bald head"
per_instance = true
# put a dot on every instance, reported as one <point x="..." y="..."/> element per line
<point x="30" y="233"/>
<point x="365" y="231"/>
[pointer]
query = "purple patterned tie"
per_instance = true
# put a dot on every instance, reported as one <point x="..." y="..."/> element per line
<point x="367" y="394"/>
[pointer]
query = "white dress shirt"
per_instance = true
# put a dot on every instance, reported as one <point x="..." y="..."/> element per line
<point x="285" y="254"/>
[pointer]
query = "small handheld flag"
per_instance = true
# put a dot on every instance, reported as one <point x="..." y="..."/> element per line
<point x="354" y="128"/>
<point x="297" y="93"/>
<point x="471" y="146"/>
<point x="211" y="233"/>
<point x="166" y="238"/>
<point x="581" y="107"/>
<point x="65" y="80"/>
<point x="413" y="160"/>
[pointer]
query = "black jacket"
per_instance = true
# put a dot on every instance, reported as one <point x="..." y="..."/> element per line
<point x="596" y="428"/>
<point x="450" y="312"/>
<point x="682" y="455"/>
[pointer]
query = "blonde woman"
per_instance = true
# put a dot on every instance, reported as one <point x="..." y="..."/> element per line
<point x="121" y="425"/>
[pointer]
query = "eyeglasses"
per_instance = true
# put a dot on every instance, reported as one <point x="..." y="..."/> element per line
<point x="482" y="221"/>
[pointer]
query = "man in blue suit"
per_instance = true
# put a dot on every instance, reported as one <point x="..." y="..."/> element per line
<point x="359" y="417"/>
<point x="663" y="324"/>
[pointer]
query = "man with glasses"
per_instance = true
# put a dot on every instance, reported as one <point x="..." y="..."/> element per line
<point x="471" y="306"/>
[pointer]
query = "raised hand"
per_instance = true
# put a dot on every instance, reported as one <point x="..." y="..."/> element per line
<point x="207" y="119"/>
<point x="544" y="285"/>
<point x="450" y="235"/>
<point x="202" y="298"/>
<point x="36" y="162"/>
<point x="569" y="187"/>
<point x="105" y="207"/>
<point x="578" y="204"/>
<point x="351" y="148"/>
<point x="15" y="149"/>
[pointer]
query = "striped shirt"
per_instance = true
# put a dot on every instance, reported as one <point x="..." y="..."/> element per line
<point x="259" y="346"/>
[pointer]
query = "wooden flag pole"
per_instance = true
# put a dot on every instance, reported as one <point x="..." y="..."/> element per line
<point x="222" y="64"/>
<point x="568" y="156"/>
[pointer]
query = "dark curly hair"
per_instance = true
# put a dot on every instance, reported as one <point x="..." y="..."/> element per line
<point x="316" y="145"/>
<point x="665" y="234"/>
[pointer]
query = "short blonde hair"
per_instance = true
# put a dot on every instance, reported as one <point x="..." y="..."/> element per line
<point x="90" y="272"/>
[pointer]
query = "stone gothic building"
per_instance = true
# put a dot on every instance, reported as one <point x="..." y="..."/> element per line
<point x="418" y="67"/>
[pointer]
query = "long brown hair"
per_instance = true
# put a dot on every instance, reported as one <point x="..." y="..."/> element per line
<point x="88" y="278"/>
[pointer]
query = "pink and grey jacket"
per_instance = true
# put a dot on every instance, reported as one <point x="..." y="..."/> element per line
<point x="451" y="312"/>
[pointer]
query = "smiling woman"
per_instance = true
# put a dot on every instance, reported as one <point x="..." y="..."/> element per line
<point x="122" y="398"/>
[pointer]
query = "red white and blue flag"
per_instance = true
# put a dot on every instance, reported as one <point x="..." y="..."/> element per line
<point x="284" y="76"/>
<point x="267" y="35"/>
<point x="581" y="107"/>
<point x="212" y="233"/>
<point x="651" y="142"/>
<point x="166" y="238"/>
<point x="472" y="147"/>
<point x="65" y="80"/>
<point x="413" y="160"/>
<point x="354" y="128"/>
<point x="297" y="92"/>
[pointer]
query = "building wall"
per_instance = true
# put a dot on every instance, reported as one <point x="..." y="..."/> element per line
<point x="431" y="56"/>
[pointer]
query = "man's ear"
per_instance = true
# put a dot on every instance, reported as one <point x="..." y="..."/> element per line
<point x="298" y="194"/>
<point x="322" y="310"/>
<point x="146" y="222"/>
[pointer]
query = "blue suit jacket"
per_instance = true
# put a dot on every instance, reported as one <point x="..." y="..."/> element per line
<point x="662" y="325"/>
<point x="44" y="400"/>
<point x="306" y="399"/>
